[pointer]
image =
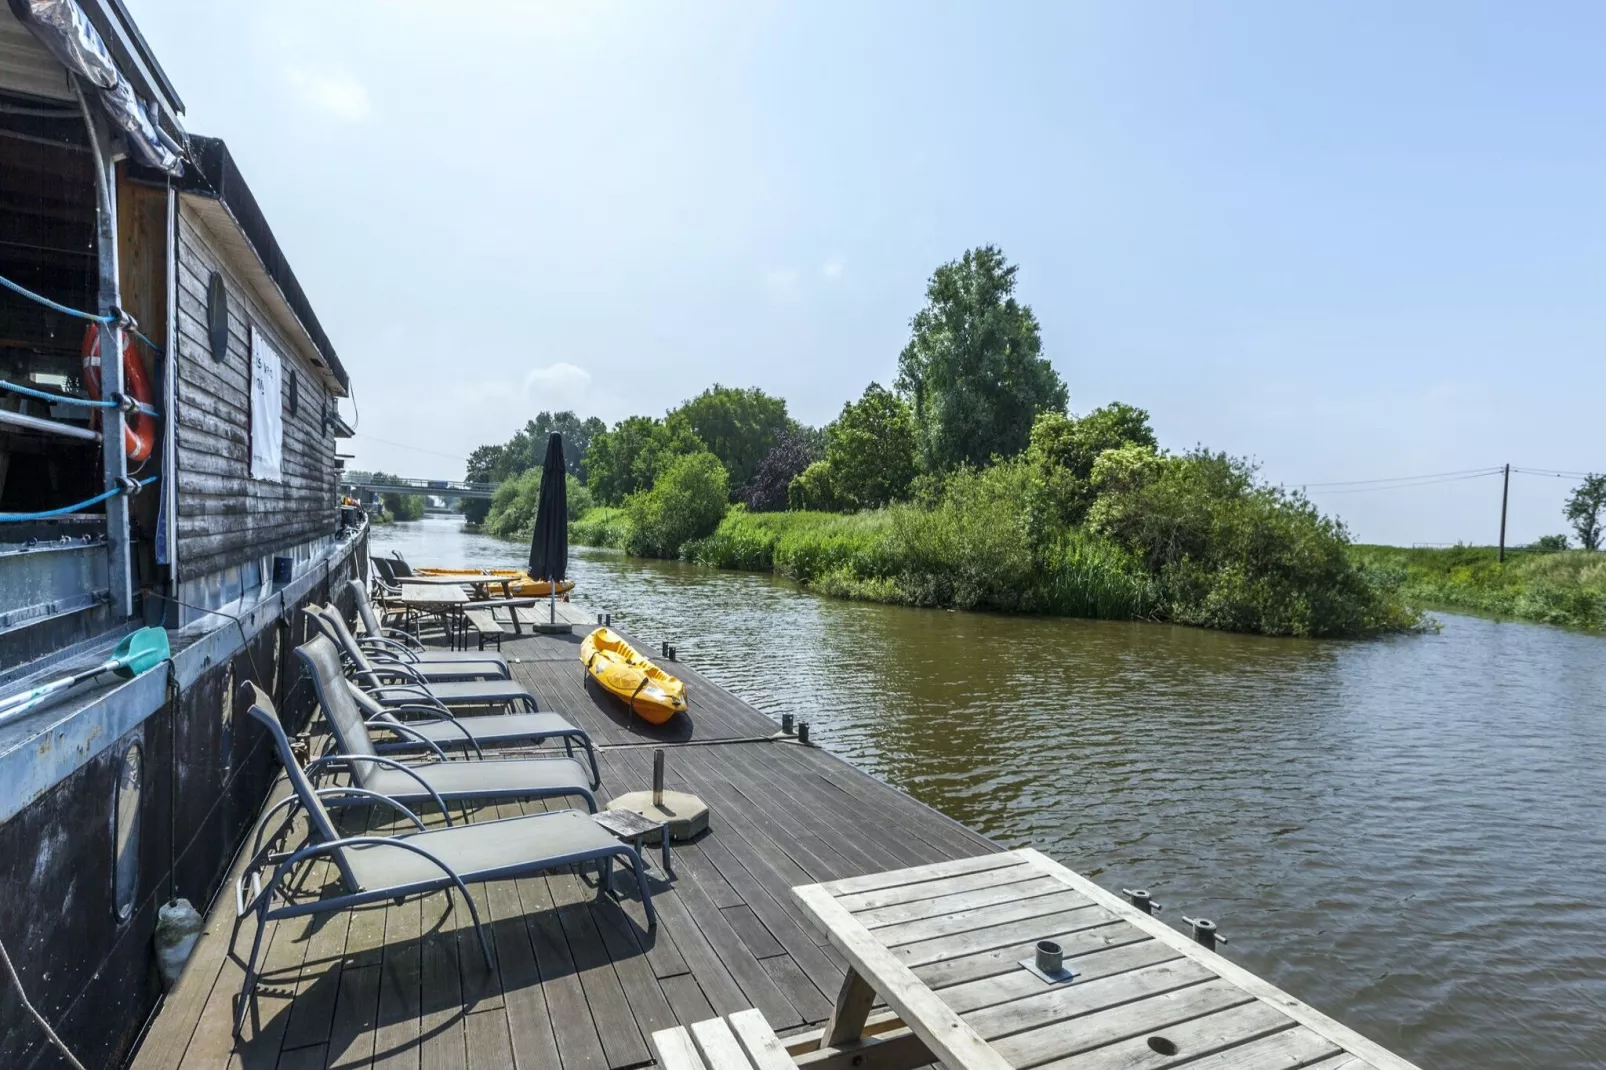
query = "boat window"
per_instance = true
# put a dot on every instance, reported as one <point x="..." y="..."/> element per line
<point x="125" y="831"/>
<point x="217" y="316"/>
<point x="295" y="392"/>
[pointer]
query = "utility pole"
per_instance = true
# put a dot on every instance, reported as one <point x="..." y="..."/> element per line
<point x="1505" y="492"/>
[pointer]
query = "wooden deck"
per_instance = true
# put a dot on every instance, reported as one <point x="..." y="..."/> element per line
<point x="581" y="984"/>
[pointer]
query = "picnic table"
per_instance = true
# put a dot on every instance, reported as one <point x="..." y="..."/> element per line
<point x="945" y="947"/>
<point x="479" y="583"/>
<point x="445" y="601"/>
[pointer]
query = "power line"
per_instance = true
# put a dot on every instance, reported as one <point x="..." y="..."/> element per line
<point x="1553" y="472"/>
<point x="1420" y="483"/>
<point x="415" y="449"/>
<point x="1401" y="479"/>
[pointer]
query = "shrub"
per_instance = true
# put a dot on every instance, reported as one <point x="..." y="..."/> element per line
<point x="601" y="525"/>
<point x="514" y="504"/>
<point x="686" y="501"/>
<point x="1229" y="553"/>
<point x="814" y="489"/>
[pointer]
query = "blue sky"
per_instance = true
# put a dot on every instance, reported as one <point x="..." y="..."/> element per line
<point x="1349" y="241"/>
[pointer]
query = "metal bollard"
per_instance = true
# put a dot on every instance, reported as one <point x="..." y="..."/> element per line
<point x="607" y="618"/>
<point x="803" y="732"/>
<point x="658" y="778"/>
<point x="1140" y="898"/>
<point x="787" y="722"/>
<point x="673" y="654"/>
<point x="599" y="618"/>
<point x="663" y="648"/>
<point x="1204" y="933"/>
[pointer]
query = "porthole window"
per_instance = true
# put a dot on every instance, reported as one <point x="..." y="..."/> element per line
<point x="125" y="831"/>
<point x="217" y="316"/>
<point x="295" y="392"/>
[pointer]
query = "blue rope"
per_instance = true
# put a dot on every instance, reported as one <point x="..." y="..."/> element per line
<point x="77" y="507"/>
<point x="60" y="399"/>
<point x="48" y="303"/>
<point x="154" y="347"/>
<point x="64" y="310"/>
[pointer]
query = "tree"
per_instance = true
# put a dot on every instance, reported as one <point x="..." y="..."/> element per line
<point x="1584" y="508"/>
<point x="399" y="506"/>
<point x="796" y="447"/>
<point x="628" y="458"/>
<point x="871" y="450"/>
<point x="813" y="488"/>
<point x="1064" y="451"/>
<point x="1549" y="544"/>
<point x="485" y="465"/>
<point x="973" y="369"/>
<point x="738" y="426"/>
<point x="612" y="457"/>
<point x="687" y="502"/>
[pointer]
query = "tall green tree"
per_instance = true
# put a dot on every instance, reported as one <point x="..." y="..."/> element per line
<point x="739" y="426"/>
<point x="871" y="449"/>
<point x="630" y="456"/>
<point x="1585" y="508"/>
<point x="973" y="370"/>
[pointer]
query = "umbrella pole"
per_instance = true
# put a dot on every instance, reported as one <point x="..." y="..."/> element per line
<point x="552" y="603"/>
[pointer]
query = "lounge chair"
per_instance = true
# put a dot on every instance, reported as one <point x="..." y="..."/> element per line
<point x="393" y="644"/>
<point x="436" y="729"/>
<point x="440" y="781"/>
<point x="396" y="683"/>
<point x="374" y="869"/>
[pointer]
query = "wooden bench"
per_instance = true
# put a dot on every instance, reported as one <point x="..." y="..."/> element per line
<point x="484" y="622"/>
<point x="742" y="1041"/>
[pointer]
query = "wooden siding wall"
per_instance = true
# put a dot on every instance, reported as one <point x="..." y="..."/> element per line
<point x="224" y="516"/>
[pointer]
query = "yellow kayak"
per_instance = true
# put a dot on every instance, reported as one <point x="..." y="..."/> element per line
<point x="653" y="694"/>
<point x="522" y="585"/>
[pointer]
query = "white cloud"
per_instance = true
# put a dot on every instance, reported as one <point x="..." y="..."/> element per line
<point x="336" y="93"/>
<point x="831" y="269"/>
<point x="557" y="386"/>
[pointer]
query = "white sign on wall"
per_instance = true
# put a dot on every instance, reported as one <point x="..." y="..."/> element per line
<point x="267" y="410"/>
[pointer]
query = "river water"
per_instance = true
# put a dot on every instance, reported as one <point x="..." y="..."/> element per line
<point x="1408" y="833"/>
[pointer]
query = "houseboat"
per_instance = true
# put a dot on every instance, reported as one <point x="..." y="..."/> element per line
<point x="190" y="486"/>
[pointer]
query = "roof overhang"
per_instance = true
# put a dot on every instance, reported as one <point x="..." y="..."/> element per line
<point x="216" y="191"/>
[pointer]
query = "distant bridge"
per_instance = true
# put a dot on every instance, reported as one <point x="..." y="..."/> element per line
<point x="441" y="488"/>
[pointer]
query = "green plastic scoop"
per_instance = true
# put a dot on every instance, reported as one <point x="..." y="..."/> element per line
<point x="138" y="652"/>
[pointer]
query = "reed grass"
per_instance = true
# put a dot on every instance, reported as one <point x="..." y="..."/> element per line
<point x="1567" y="588"/>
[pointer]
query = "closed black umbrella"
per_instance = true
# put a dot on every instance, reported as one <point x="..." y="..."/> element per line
<point x="549" y="546"/>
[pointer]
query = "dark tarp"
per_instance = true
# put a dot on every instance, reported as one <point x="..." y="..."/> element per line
<point x="549" y="546"/>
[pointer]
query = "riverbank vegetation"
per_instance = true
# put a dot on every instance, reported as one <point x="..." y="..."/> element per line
<point x="967" y="485"/>
<point x="1541" y="583"/>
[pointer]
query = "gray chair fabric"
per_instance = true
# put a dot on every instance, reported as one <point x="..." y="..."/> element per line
<point x="374" y="869"/>
<point x="373" y="675"/>
<point x="442" y="782"/>
<point x="428" y="728"/>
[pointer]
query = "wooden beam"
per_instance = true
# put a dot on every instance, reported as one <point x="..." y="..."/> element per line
<point x="948" y="1037"/>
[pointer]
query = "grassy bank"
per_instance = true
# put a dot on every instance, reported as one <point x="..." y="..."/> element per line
<point x="978" y="553"/>
<point x="1567" y="588"/>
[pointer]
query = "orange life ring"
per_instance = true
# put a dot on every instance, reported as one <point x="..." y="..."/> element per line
<point x="138" y="430"/>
